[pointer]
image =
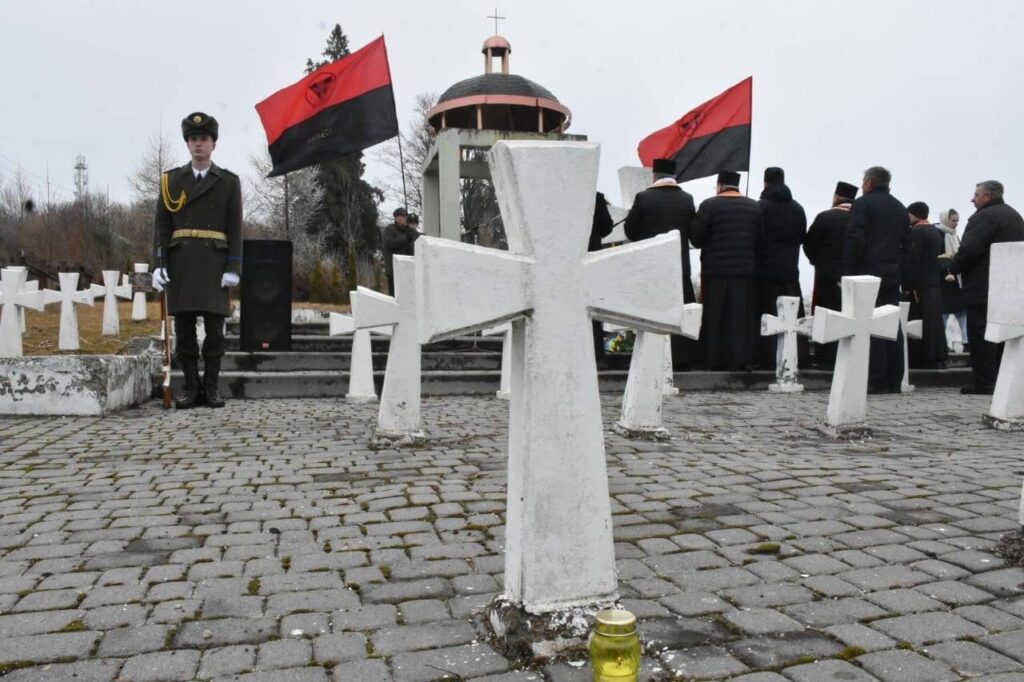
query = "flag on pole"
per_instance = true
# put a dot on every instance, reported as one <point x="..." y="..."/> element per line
<point x="341" y="108"/>
<point x="711" y="138"/>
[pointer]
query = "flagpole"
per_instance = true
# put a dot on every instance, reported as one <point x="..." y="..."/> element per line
<point x="287" y="225"/>
<point x="401" y="162"/>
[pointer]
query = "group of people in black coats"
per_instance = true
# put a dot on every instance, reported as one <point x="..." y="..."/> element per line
<point x="750" y="251"/>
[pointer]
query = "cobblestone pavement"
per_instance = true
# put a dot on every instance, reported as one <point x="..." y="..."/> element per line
<point x="267" y="541"/>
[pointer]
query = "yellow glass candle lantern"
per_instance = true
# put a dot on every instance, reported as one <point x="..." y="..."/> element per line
<point x="615" y="647"/>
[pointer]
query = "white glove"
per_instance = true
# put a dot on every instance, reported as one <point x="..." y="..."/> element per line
<point x="229" y="279"/>
<point x="160" y="278"/>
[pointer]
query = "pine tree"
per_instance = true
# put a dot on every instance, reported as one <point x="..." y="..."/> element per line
<point x="346" y="218"/>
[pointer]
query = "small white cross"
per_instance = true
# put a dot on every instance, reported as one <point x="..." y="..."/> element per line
<point x="786" y="325"/>
<point x="853" y="329"/>
<point x="68" y="296"/>
<point x="15" y="296"/>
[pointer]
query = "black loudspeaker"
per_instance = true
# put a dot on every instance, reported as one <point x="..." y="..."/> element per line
<point x="266" y="295"/>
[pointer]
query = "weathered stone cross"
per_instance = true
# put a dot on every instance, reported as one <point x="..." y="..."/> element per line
<point x="111" y="292"/>
<point x="559" y="549"/>
<point x="68" y="296"/>
<point x="912" y="329"/>
<point x="15" y="296"/>
<point x="787" y="325"/>
<point x="1006" y="326"/>
<point x="361" y="388"/>
<point x="399" y="415"/>
<point x="853" y="329"/>
<point x="139" y="311"/>
<point x="505" y="331"/>
<point x="650" y="378"/>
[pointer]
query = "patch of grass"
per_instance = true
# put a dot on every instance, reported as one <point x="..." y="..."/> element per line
<point x="765" y="548"/>
<point x="254" y="586"/>
<point x="42" y="329"/>
<point x="905" y="645"/>
<point x="74" y="626"/>
<point x="286" y="562"/>
<point x="850" y="653"/>
<point x="10" y="666"/>
<point x="385" y="571"/>
<point x="800" y="660"/>
<point x="327" y="546"/>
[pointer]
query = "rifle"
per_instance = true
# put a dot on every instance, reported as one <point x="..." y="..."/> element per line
<point x="166" y="391"/>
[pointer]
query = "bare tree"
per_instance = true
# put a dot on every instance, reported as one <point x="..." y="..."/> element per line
<point x="158" y="155"/>
<point x="416" y="142"/>
<point x="265" y="206"/>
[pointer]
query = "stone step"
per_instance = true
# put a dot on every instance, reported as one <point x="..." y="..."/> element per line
<point x="237" y="361"/>
<point x="334" y="384"/>
<point x="320" y="343"/>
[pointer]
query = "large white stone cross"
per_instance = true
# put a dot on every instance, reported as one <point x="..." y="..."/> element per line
<point x="68" y="296"/>
<point x="15" y="296"/>
<point x="786" y="325"/>
<point x="912" y="329"/>
<point x="139" y="311"/>
<point x="853" y="329"/>
<point x="1006" y="326"/>
<point x="559" y="548"/>
<point x="111" y="292"/>
<point x="361" y="388"/>
<point x="647" y="381"/>
<point x="399" y="414"/>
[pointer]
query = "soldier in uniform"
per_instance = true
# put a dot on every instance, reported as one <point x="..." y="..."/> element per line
<point x="198" y="238"/>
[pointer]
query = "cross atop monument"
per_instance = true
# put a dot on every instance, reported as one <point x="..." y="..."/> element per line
<point x="496" y="18"/>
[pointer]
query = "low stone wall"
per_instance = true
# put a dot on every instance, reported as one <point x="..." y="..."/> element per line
<point x="78" y="385"/>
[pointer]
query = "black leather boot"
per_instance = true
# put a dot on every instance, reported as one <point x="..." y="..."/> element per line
<point x="212" y="393"/>
<point x="190" y="393"/>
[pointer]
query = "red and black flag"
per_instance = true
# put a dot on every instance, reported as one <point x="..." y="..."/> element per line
<point x="340" y="108"/>
<point x="713" y="137"/>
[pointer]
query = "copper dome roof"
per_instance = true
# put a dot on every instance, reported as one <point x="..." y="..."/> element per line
<point x="499" y="101"/>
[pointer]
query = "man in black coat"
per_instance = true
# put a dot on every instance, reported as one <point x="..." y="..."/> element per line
<point x="198" y="238"/>
<point x="727" y="229"/>
<point x="823" y="246"/>
<point x="785" y="225"/>
<point x="993" y="222"/>
<point x="662" y="207"/>
<point x="874" y="239"/>
<point x="397" y="239"/>
<point x="922" y="272"/>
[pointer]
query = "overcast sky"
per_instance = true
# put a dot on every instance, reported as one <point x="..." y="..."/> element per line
<point x="931" y="89"/>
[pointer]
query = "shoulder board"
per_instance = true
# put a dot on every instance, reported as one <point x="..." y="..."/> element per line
<point x="226" y="171"/>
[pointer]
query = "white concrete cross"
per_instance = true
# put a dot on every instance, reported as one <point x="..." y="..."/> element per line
<point x="853" y="329"/>
<point x="399" y="413"/>
<point x="111" y="292"/>
<point x="632" y="181"/>
<point x="786" y="325"/>
<point x="559" y="548"/>
<point x="648" y="382"/>
<point x="912" y="329"/>
<point x="505" y="330"/>
<point x="139" y="311"/>
<point x="1006" y="326"/>
<point x="15" y="296"/>
<point x="361" y="388"/>
<point x="68" y="296"/>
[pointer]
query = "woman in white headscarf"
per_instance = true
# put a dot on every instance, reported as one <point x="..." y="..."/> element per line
<point x="952" y="296"/>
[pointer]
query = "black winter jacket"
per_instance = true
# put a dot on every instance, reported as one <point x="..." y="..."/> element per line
<point x="991" y="224"/>
<point x="921" y="268"/>
<point x="657" y="210"/>
<point x="785" y="225"/>
<point x="727" y="229"/>
<point x="874" y="237"/>
<point x="824" y="242"/>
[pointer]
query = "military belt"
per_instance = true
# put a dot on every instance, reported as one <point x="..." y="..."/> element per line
<point x="198" y="234"/>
